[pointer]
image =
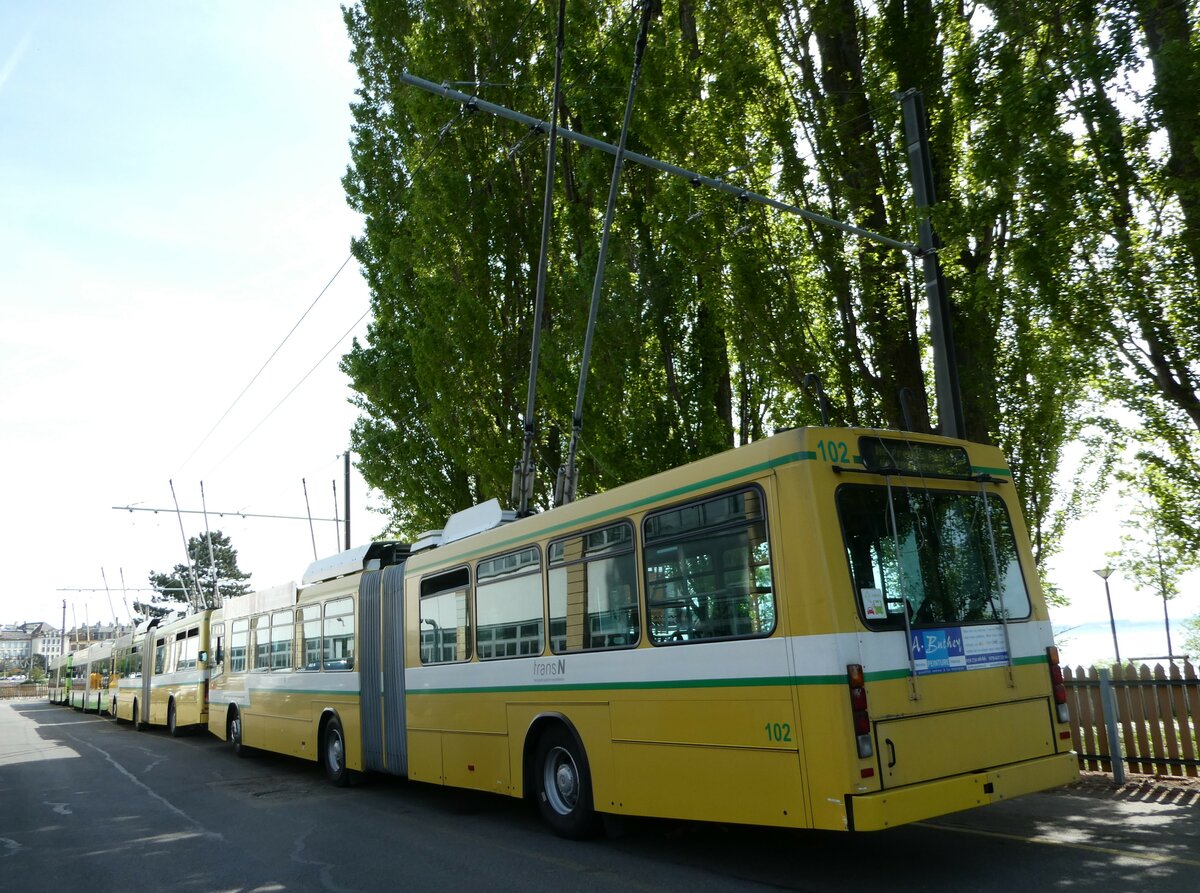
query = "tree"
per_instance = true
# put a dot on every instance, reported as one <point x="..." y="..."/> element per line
<point x="177" y="589"/>
<point x="1152" y="555"/>
<point x="1191" y="637"/>
<point x="1069" y="214"/>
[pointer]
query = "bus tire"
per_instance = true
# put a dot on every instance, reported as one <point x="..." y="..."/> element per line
<point x="172" y="726"/>
<point x="112" y="712"/>
<point x="137" y="726"/>
<point x="233" y="734"/>
<point x="333" y="753"/>
<point x="563" y="785"/>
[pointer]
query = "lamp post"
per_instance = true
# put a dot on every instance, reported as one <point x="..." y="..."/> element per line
<point x="1104" y="574"/>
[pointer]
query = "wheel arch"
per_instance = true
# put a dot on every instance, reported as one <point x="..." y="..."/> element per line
<point x="537" y="728"/>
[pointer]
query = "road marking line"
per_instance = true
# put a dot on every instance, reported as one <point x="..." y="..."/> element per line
<point x="1109" y="851"/>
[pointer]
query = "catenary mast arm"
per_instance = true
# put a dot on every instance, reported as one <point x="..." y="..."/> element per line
<point x="476" y="104"/>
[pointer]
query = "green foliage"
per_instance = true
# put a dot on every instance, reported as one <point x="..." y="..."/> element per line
<point x="1191" y="637"/>
<point x="1069" y="212"/>
<point x="1153" y="554"/>
<point x="177" y="589"/>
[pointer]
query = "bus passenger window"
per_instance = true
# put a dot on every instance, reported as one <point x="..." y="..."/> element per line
<point x="239" y="640"/>
<point x="310" y="619"/>
<point x="593" y="591"/>
<point x="282" y="627"/>
<point x="339" y="634"/>
<point x="708" y="570"/>
<point x="508" y="605"/>
<point x="260" y="630"/>
<point x="218" y="637"/>
<point x="445" y="617"/>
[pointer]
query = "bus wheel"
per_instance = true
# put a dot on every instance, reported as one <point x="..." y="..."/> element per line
<point x="112" y="712"/>
<point x="333" y="753"/>
<point x="172" y="728"/>
<point x="563" y="785"/>
<point x="233" y="734"/>
<point x="137" y="726"/>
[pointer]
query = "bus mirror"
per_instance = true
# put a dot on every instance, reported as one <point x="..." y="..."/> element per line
<point x="203" y="657"/>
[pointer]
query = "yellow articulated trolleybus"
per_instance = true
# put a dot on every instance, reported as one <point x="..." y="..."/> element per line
<point x="160" y="674"/>
<point x="828" y="628"/>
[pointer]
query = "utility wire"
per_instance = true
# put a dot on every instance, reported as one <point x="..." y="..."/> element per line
<point x="295" y="386"/>
<point x="267" y="363"/>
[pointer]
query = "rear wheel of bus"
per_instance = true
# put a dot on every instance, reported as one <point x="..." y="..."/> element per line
<point x="233" y="733"/>
<point x="172" y="727"/>
<point x="333" y="753"/>
<point x="563" y="785"/>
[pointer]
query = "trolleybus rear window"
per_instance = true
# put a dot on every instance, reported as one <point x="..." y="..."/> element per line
<point x="708" y="570"/>
<point x="914" y="457"/>
<point x="951" y="558"/>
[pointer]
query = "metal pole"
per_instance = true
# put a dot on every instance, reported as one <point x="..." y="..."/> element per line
<point x="523" y="479"/>
<point x="569" y="474"/>
<point x="1104" y="574"/>
<point x="1109" y="703"/>
<point x="945" y="365"/>
<point x="347" y="488"/>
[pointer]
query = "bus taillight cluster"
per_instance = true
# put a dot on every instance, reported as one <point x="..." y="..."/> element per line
<point x="1057" y="684"/>
<point x="858" y="707"/>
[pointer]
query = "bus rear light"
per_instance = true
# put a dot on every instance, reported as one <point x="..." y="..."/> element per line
<point x="1058" y="686"/>
<point x="860" y="717"/>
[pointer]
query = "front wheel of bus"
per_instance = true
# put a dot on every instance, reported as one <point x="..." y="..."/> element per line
<point x="333" y="749"/>
<point x="172" y="727"/>
<point x="563" y="785"/>
<point x="137" y="726"/>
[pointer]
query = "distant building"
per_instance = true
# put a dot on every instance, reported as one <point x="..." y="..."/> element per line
<point x="20" y="641"/>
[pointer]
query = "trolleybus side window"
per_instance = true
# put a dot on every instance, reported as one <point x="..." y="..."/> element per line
<point x="445" y="617"/>
<point x="160" y="655"/>
<point x="593" y="590"/>
<point x="187" y="644"/>
<point x="218" y="637"/>
<point x="952" y="558"/>
<point x="239" y="641"/>
<point x="310" y="620"/>
<point x="283" y="627"/>
<point x="260" y="636"/>
<point x="339" y="634"/>
<point x="708" y="570"/>
<point x="508" y="605"/>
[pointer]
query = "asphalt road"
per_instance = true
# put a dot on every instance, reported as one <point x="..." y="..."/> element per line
<point x="89" y="805"/>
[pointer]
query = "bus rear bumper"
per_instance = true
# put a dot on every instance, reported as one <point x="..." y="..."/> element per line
<point x="912" y="803"/>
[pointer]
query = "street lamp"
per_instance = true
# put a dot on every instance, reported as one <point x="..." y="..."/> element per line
<point x="1104" y="574"/>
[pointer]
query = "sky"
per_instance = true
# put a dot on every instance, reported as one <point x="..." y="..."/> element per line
<point x="170" y="208"/>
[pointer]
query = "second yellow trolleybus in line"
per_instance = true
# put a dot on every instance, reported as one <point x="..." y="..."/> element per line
<point x="829" y="628"/>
